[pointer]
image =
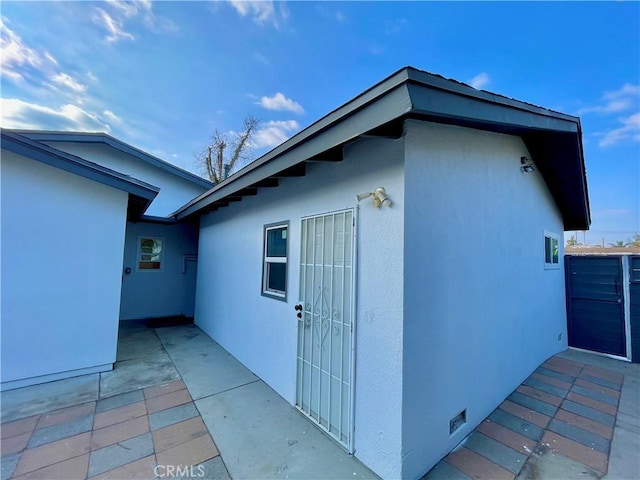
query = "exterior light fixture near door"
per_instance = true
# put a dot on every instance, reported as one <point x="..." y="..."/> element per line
<point x="379" y="197"/>
<point x="526" y="165"/>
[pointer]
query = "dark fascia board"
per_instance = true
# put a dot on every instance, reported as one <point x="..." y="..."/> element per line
<point x="437" y="103"/>
<point x="99" y="137"/>
<point x="453" y="86"/>
<point x="311" y="142"/>
<point x="16" y="143"/>
<point x="156" y="219"/>
<point x="409" y="93"/>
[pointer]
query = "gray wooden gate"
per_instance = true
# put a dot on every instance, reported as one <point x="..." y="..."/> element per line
<point x="595" y="304"/>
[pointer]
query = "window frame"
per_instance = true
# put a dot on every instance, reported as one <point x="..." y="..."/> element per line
<point x="266" y="261"/>
<point x="139" y="253"/>
<point x="553" y="237"/>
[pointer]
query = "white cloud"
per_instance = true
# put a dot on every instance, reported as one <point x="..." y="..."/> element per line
<point x="112" y="117"/>
<point x="20" y="114"/>
<point x="261" y="12"/>
<point x="630" y="130"/>
<point x="17" y="58"/>
<point x="92" y="77"/>
<point x="480" y="80"/>
<point x="626" y="90"/>
<point x="274" y="132"/>
<point x="130" y="8"/>
<point x="281" y="103"/>
<point x="49" y="57"/>
<point x="615" y="101"/>
<point x="69" y="82"/>
<point x="114" y="27"/>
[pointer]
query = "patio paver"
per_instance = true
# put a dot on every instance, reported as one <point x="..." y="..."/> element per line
<point x="563" y="416"/>
<point x="122" y="436"/>
<point x="559" y="422"/>
<point x="118" y="441"/>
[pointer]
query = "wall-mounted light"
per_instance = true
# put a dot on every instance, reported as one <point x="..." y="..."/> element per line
<point x="379" y="197"/>
<point x="526" y="165"/>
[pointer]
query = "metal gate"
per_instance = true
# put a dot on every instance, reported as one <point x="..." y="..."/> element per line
<point x="595" y="304"/>
<point x="326" y="313"/>
<point x="634" y="304"/>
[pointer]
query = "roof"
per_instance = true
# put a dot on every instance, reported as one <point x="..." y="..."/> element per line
<point x="141" y="194"/>
<point x="554" y="140"/>
<point x="98" y="137"/>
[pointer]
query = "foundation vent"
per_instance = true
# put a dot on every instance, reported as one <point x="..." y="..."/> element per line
<point x="456" y="422"/>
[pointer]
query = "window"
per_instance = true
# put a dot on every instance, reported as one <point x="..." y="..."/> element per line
<point x="551" y="251"/>
<point x="274" y="269"/>
<point x="150" y="253"/>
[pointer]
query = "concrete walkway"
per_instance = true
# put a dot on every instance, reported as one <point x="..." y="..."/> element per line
<point x="172" y="390"/>
<point x="176" y="398"/>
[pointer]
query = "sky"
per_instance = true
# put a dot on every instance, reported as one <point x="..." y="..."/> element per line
<point x="163" y="76"/>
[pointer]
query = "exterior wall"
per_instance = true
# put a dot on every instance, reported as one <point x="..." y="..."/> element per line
<point x="481" y="310"/>
<point x="169" y="292"/>
<point x="262" y="332"/>
<point x="174" y="191"/>
<point x="62" y="244"/>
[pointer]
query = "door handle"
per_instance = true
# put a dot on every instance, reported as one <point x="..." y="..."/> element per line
<point x="298" y="307"/>
<point x="299" y="314"/>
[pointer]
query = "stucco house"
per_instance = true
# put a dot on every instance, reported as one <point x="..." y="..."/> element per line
<point x="394" y="270"/>
<point x="397" y="328"/>
<point x="86" y="242"/>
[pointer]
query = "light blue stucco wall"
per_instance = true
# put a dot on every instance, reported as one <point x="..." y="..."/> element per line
<point x="62" y="243"/>
<point x="174" y="191"/>
<point x="481" y="311"/>
<point x="164" y="293"/>
<point x="262" y="332"/>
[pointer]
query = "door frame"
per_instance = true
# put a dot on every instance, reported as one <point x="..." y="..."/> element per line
<point x="352" y="353"/>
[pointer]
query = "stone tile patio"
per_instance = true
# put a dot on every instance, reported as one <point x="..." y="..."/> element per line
<point x="576" y="416"/>
<point x="565" y="409"/>
<point x="147" y="433"/>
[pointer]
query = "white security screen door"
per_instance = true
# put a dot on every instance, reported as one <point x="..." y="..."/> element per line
<point x="324" y="388"/>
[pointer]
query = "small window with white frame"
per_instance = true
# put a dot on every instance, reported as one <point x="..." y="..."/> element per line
<point x="150" y="254"/>
<point x="551" y="250"/>
<point x="274" y="266"/>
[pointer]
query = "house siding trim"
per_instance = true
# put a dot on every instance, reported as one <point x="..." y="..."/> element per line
<point x="21" y="145"/>
<point x="86" y="137"/>
<point x="410" y="93"/>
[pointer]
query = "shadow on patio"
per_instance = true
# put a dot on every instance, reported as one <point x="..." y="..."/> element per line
<point x="175" y="391"/>
<point x="154" y="414"/>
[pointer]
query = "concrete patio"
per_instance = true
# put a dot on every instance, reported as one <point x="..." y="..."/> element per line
<point x="172" y="390"/>
<point x="177" y="399"/>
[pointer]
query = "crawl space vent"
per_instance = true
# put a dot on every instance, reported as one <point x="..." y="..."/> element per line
<point x="456" y="422"/>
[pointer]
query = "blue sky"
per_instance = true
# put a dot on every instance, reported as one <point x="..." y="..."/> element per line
<point x="163" y="75"/>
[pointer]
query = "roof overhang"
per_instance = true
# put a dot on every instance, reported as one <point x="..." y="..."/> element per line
<point x="103" y="138"/>
<point x="553" y="139"/>
<point x="141" y="194"/>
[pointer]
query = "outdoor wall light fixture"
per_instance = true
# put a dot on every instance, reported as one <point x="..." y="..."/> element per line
<point x="379" y="197"/>
<point x="526" y="165"/>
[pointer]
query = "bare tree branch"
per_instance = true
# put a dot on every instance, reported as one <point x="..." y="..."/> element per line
<point x="214" y="159"/>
